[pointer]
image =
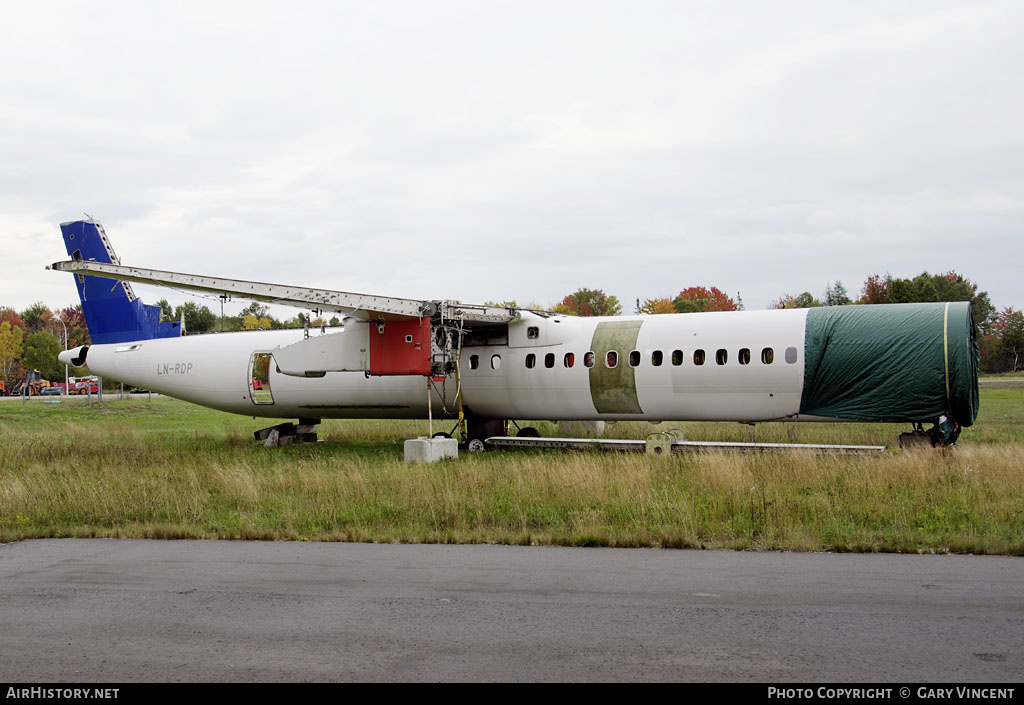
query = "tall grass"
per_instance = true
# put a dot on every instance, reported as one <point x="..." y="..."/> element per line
<point x="168" y="469"/>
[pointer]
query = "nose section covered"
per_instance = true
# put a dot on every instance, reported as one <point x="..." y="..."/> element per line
<point x="75" y="357"/>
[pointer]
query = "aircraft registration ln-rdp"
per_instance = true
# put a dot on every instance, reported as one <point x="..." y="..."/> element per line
<point x="487" y="365"/>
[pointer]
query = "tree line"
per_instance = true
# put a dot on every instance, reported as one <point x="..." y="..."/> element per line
<point x="32" y="338"/>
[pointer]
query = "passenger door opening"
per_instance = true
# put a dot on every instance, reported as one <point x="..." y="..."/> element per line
<point x="259" y="378"/>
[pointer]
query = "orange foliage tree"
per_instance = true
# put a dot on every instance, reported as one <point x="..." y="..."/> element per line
<point x="697" y="298"/>
<point x="660" y="305"/>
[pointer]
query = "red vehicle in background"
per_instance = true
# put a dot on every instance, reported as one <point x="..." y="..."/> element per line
<point x="83" y="385"/>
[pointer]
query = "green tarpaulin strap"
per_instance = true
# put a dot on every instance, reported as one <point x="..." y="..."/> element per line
<point x="945" y="349"/>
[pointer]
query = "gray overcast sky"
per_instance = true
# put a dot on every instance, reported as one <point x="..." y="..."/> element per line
<point x="497" y="150"/>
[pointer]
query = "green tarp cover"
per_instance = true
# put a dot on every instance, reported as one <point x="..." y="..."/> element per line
<point x="891" y="363"/>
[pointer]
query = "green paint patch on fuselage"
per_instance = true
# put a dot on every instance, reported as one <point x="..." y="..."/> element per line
<point x="613" y="389"/>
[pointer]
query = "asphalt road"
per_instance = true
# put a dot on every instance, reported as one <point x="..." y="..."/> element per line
<point x="107" y="610"/>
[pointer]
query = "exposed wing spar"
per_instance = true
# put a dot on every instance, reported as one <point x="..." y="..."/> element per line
<point x="363" y="306"/>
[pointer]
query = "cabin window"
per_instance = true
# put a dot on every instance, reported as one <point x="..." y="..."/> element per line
<point x="790" y="355"/>
<point x="495" y="362"/>
<point x="634" y="358"/>
<point x="677" y="357"/>
<point x="259" y="378"/>
<point x="531" y="361"/>
<point x="474" y="362"/>
<point x="533" y="332"/>
<point x="744" y="356"/>
<point x="589" y="359"/>
<point x="611" y="361"/>
<point x="549" y="360"/>
<point x="767" y="356"/>
<point x="656" y="358"/>
<point x="569" y="360"/>
<point x="698" y="357"/>
<point x="721" y="356"/>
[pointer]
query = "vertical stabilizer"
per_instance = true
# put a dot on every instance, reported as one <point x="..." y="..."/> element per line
<point x="112" y="311"/>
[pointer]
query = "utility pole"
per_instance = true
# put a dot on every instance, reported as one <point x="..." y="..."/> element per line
<point x="223" y="298"/>
<point x="65" y="350"/>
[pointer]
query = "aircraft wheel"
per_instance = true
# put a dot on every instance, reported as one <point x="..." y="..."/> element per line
<point x="476" y="445"/>
<point x="441" y="434"/>
<point x="528" y="432"/>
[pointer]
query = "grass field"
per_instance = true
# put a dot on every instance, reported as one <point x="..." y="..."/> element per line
<point x="173" y="470"/>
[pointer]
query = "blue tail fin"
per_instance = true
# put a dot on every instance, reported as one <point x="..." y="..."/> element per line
<point x="113" y="313"/>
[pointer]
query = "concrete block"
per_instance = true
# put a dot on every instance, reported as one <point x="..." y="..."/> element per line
<point x="430" y="450"/>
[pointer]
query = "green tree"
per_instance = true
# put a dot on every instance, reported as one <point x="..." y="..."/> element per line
<point x="254" y="309"/>
<point x="301" y="320"/>
<point x="503" y="304"/>
<point x="36" y="317"/>
<point x="835" y="295"/>
<point x="198" y="319"/>
<point x="166" y="312"/>
<point x="10" y="350"/>
<point x="804" y="300"/>
<point x="902" y="291"/>
<point x="948" y="286"/>
<point x="589" y="302"/>
<point x="40" y="352"/>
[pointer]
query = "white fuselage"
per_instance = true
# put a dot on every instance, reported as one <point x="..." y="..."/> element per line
<point x="752" y="370"/>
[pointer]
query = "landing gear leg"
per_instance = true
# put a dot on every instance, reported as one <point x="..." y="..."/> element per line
<point x="478" y="430"/>
<point x="944" y="433"/>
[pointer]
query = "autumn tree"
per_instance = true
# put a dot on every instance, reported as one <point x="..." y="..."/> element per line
<point x="10" y="350"/>
<point x="1003" y="346"/>
<point x="69" y="322"/>
<point x="589" y="302"/>
<point x="697" y="298"/>
<point x="660" y="305"/>
<point x="12" y="317"/>
<point x="251" y="322"/>
<point x="876" y="290"/>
